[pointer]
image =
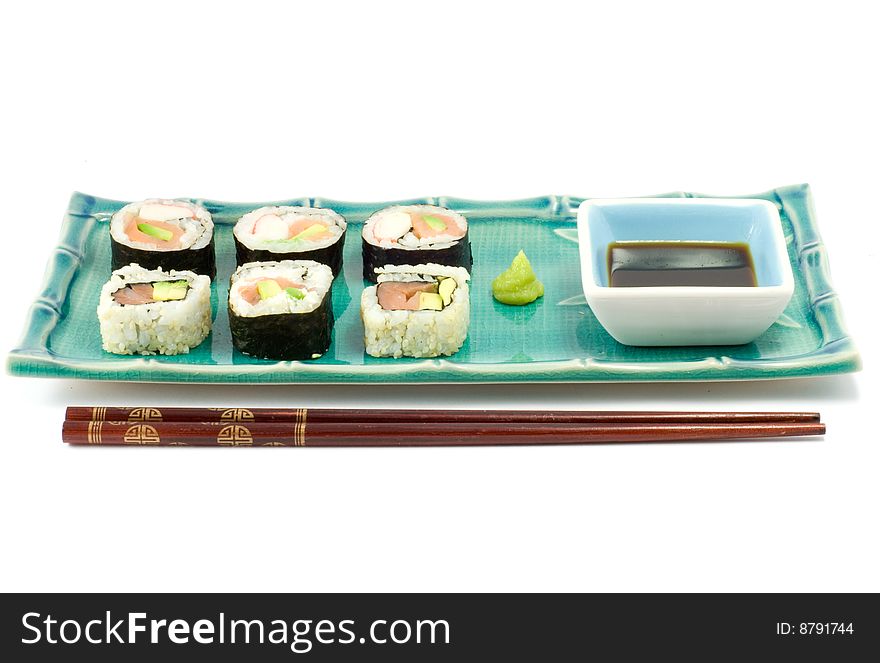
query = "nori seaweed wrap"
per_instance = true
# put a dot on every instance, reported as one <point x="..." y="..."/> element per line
<point x="281" y="309"/>
<point x="163" y="234"/>
<point x="415" y="234"/>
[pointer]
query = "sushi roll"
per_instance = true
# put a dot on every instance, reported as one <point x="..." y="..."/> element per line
<point x="150" y="311"/>
<point x="290" y="233"/>
<point x="163" y="234"/>
<point x="416" y="311"/>
<point x="281" y="309"/>
<point x="415" y="234"/>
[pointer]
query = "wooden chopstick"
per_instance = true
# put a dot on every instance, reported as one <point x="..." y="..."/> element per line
<point x="320" y="415"/>
<point x="385" y="434"/>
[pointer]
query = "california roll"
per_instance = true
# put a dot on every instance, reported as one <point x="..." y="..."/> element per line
<point x="144" y="311"/>
<point x="281" y="309"/>
<point x="290" y="233"/>
<point x="416" y="311"/>
<point x="415" y="234"/>
<point x="163" y="234"/>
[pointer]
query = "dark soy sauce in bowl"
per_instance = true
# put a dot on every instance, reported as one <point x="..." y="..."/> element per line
<point x="712" y="264"/>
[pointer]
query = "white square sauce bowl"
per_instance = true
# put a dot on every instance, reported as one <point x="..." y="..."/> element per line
<point x="685" y="315"/>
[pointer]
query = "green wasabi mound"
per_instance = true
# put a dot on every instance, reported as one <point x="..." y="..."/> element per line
<point x="517" y="285"/>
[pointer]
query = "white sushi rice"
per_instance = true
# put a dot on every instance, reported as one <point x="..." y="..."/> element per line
<point x="416" y="333"/>
<point x="316" y="278"/>
<point x="409" y="240"/>
<point x="244" y="228"/>
<point x="166" y="328"/>
<point x="197" y="232"/>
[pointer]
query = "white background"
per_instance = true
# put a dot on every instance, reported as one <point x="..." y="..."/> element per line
<point x="373" y="101"/>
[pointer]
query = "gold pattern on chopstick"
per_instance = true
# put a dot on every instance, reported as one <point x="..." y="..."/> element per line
<point x="299" y="428"/>
<point x="235" y="435"/>
<point x="141" y="434"/>
<point x="94" y="432"/>
<point x="99" y="413"/>
<point x="237" y="414"/>
<point x="145" y="414"/>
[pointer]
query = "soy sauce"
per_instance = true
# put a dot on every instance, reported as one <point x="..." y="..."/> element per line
<point x="640" y="264"/>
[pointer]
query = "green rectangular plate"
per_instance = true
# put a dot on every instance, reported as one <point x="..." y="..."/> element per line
<point x="556" y="339"/>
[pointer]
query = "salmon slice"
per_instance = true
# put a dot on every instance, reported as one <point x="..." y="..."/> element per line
<point x="423" y="230"/>
<point x="402" y="295"/>
<point x="135" y="293"/>
<point x="301" y="224"/>
<point x="135" y="235"/>
<point x="251" y="295"/>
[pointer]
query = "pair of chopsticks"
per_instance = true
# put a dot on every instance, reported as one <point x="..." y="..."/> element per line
<point x="180" y="426"/>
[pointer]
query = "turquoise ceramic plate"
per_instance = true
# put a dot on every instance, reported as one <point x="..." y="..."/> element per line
<point x="556" y="339"/>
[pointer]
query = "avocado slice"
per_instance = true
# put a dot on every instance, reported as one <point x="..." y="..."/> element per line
<point x="436" y="223"/>
<point x="155" y="231"/>
<point x="295" y="293"/>
<point x="446" y="288"/>
<point x="166" y="291"/>
<point x="268" y="288"/>
<point x="311" y="231"/>
<point x="429" y="301"/>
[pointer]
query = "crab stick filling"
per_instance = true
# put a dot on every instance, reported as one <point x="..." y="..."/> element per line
<point x="395" y="225"/>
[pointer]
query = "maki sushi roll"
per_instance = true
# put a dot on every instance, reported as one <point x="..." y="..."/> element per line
<point x="415" y="234"/>
<point x="163" y="234"/>
<point x="416" y="311"/>
<point x="290" y="233"/>
<point x="150" y="311"/>
<point x="281" y="309"/>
